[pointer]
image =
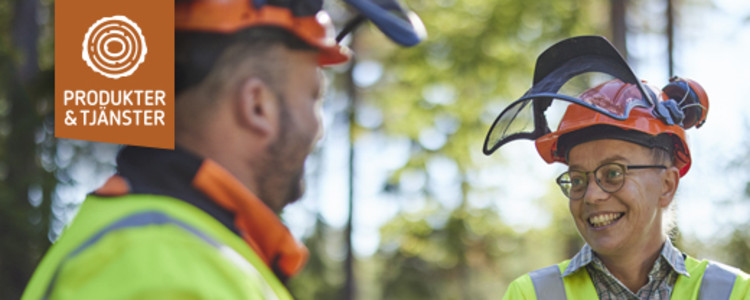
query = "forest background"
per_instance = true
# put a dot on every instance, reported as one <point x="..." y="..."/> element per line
<point x="401" y="203"/>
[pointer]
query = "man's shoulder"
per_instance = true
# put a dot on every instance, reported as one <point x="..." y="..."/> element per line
<point x="152" y="260"/>
<point x="144" y="221"/>
<point x="154" y="242"/>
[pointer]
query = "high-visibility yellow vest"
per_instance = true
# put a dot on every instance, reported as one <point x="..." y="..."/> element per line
<point x="707" y="280"/>
<point x="150" y="247"/>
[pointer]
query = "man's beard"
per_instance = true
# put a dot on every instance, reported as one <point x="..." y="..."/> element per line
<point x="296" y="187"/>
<point x="281" y="177"/>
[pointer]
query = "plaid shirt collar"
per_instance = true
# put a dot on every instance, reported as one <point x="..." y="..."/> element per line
<point x="671" y="255"/>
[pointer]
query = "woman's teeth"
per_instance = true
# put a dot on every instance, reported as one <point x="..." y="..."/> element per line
<point x="604" y="219"/>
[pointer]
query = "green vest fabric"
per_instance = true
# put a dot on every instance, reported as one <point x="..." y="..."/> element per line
<point x="150" y="247"/>
<point x="579" y="285"/>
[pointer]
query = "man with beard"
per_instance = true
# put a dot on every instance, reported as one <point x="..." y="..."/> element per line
<point x="200" y="222"/>
<point x="625" y="147"/>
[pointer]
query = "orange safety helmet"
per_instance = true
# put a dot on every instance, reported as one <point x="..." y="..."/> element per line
<point x="651" y="131"/>
<point x="619" y="106"/>
<point x="303" y="18"/>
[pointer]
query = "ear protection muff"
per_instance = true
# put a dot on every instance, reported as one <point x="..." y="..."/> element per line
<point x="687" y="104"/>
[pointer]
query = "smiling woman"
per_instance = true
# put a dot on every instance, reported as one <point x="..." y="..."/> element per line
<point x="631" y="138"/>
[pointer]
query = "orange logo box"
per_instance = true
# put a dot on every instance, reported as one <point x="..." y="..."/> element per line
<point x="114" y="71"/>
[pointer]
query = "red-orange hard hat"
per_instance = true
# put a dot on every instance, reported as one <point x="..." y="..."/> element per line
<point x="605" y="100"/>
<point x="303" y="18"/>
<point x="617" y="94"/>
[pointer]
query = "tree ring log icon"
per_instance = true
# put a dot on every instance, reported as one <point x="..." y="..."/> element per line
<point x="114" y="47"/>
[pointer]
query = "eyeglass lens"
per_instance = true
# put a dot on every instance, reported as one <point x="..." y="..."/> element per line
<point x="610" y="177"/>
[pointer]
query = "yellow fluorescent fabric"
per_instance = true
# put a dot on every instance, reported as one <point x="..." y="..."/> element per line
<point x="161" y="261"/>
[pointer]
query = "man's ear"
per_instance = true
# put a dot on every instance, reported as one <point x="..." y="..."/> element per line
<point x="670" y="181"/>
<point x="256" y="106"/>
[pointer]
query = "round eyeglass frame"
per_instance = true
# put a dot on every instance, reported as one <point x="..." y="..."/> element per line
<point x="562" y="182"/>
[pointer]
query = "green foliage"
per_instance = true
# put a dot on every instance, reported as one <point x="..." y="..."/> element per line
<point x="467" y="253"/>
<point x="26" y="94"/>
<point x="738" y="248"/>
<point x="479" y="55"/>
<point x="434" y="254"/>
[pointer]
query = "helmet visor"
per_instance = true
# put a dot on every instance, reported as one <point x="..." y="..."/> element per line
<point x="580" y="71"/>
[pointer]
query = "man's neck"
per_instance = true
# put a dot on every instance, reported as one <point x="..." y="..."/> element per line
<point x="632" y="270"/>
<point x="221" y="141"/>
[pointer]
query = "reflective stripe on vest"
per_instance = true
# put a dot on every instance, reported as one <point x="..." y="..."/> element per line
<point x="159" y="218"/>
<point x="717" y="283"/>
<point x="548" y="283"/>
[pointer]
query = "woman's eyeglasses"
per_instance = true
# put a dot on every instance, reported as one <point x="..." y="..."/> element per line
<point x="610" y="177"/>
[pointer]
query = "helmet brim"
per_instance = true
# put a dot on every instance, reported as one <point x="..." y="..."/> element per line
<point x="227" y="17"/>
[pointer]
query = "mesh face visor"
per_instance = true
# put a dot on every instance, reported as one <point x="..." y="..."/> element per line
<point x="563" y="73"/>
